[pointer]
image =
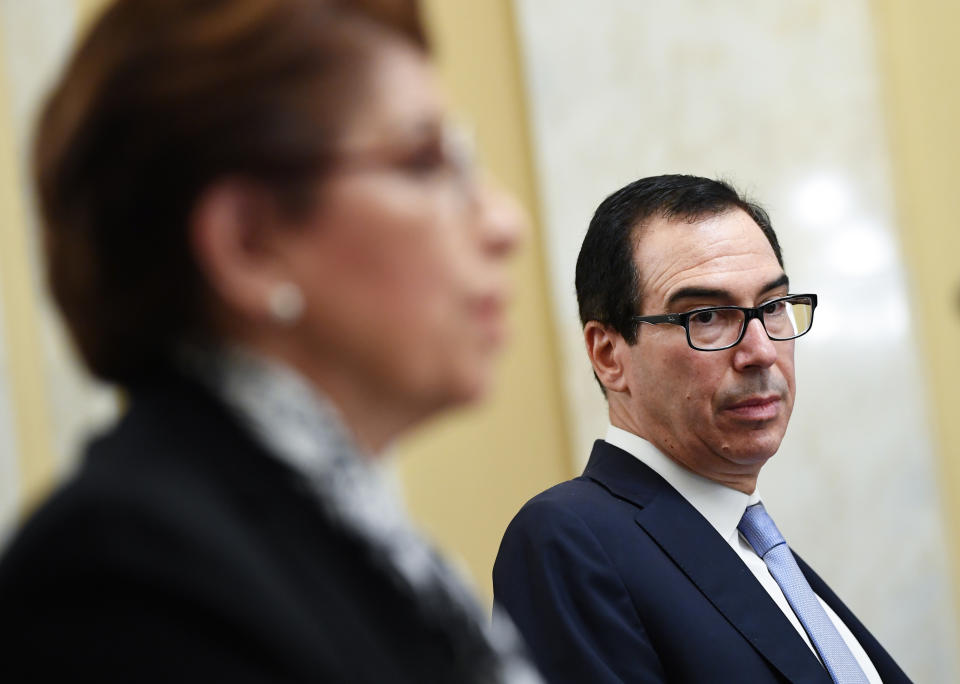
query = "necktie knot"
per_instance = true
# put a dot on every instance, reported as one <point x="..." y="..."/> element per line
<point x="759" y="530"/>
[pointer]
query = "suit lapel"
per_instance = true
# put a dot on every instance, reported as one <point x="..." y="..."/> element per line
<point x="707" y="560"/>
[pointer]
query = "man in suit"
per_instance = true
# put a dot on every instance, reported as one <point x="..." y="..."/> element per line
<point x="660" y="563"/>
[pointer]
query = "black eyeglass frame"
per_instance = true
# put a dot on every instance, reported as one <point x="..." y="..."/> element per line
<point x="749" y="313"/>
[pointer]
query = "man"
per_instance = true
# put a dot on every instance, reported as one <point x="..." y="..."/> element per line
<point x="636" y="571"/>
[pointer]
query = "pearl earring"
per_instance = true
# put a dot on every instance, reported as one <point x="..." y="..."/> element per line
<point x="286" y="303"/>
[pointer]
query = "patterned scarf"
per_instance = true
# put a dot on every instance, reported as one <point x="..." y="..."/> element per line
<point x="299" y="426"/>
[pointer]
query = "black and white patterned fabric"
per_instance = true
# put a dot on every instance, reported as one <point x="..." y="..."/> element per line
<point x="299" y="426"/>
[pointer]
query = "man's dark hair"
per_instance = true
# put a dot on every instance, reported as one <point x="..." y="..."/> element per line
<point x="608" y="284"/>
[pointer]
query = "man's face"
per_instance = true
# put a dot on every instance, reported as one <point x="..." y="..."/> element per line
<point x="721" y="413"/>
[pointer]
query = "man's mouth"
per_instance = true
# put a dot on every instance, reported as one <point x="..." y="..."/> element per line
<point x="755" y="408"/>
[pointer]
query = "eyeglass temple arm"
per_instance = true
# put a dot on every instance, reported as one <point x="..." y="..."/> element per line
<point x="676" y="319"/>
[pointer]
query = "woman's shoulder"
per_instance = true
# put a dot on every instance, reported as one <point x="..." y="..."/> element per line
<point x="173" y="476"/>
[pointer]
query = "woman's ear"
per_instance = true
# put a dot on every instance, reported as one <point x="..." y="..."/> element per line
<point x="230" y="233"/>
<point x="603" y="344"/>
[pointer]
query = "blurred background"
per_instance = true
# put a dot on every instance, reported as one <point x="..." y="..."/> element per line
<point x="838" y="116"/>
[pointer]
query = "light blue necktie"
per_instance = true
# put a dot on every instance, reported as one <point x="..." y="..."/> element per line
<point x="758" y="528"/>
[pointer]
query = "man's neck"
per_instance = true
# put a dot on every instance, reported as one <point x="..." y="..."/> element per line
<point x="701" y="461"/>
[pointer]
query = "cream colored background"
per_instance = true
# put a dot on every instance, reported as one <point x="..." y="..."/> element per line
<point x="466" y="474"/>
<point x="54" y="404"/>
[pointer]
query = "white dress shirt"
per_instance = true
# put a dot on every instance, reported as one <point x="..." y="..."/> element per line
<point x="723" y="507"/>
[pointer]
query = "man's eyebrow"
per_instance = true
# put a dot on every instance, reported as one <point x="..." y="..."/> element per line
<point x="782" y="281"/>
<point x="697" y="293"/>
<point x="716" y="293"/>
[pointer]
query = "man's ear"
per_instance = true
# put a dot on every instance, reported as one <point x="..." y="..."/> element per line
<point x="604" y="347"/>
<point x="230" y="231"/>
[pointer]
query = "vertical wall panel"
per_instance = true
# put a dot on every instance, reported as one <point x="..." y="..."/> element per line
<point x="469" y="473"/>
<point x="26" y="401"/>
<point x="9" y="461"/>
<point x="919" y="48"/>
<point x="55" y="405"/>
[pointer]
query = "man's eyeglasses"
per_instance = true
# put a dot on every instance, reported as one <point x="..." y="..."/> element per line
<point x="721" y="327"/>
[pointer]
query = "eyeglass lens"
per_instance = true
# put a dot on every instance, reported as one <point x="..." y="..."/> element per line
<point x="719" y="328"/>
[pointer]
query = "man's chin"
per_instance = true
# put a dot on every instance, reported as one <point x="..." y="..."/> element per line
<point x="757" y="449"/>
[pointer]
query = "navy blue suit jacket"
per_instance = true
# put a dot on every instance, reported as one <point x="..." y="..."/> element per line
<point x="615" y="577"/>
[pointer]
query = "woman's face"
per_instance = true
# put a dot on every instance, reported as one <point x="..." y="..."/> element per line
<point x="402" y="261"/>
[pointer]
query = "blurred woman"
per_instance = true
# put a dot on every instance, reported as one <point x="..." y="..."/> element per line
<point x="259" y="223"/>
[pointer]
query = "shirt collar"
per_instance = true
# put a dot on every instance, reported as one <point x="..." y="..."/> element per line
<point x="722" y="506"/>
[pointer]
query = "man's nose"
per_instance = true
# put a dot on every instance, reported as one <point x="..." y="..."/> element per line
<point x="756" y="349"/>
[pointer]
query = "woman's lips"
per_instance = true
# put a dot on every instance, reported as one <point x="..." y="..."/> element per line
<point x="756" y="408"/>
<point x="490" y="312"/>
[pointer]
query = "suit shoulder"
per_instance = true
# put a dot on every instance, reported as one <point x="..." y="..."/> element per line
<point x="572" y="508"/>
<point x="571" y="495"/>
<point x="580" y="496"/>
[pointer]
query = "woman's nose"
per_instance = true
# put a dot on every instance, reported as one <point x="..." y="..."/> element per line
<point x="503" y="222"/>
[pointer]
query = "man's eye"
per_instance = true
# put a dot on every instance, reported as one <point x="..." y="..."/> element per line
<point x="704" y="317"/>
<point x="774" y="308"/>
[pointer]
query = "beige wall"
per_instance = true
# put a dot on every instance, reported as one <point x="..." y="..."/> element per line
<point x="921" y="57"/>
<point x="27" y="388"/>
<point x="467" y="476"/>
